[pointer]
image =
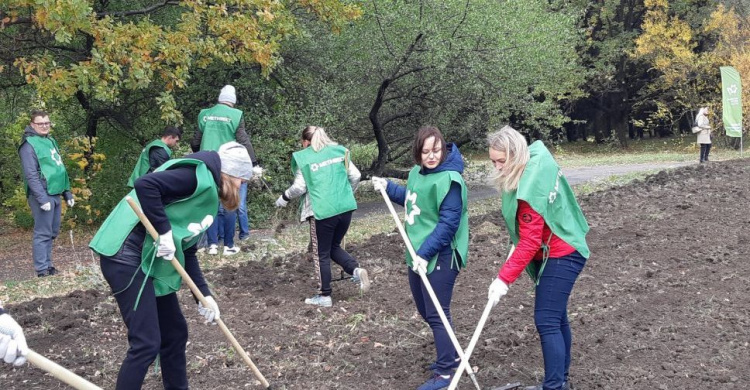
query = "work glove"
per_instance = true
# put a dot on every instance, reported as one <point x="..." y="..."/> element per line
<point x="46" y="207"/>
<point x="258" y="171"/>
<point x="419" y="265"/>
<point x="166" y="248"/>
<point x="13" y="348"/>
<point x="498" y="288"/>
<point x="379" y="183"/>
<point x="71" y="202"/>
<point x="281" y="202"/>
<point x="211" y="312"/>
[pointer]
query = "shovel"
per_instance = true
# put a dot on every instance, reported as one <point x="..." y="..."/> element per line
<point x="475" y="337"/>
<point x="60" y="372"/>
<point x="431" y="292"/>
<point x="180" y="270"/>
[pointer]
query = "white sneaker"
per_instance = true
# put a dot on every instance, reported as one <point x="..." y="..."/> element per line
<point x="231" y="251"/>
<point x="213" y="249"/>
<point x="319" y="300"/>
<point x="360" y="276"/>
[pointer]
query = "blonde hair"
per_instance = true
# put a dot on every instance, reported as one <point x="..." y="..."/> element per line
<point x="317" y="137"/>
<point x="516" y="150"/>
<point x="229" y="193"/>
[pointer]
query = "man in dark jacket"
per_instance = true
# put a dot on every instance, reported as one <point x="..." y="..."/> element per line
<point x="46" y="180"/>
<point x="156" y="153"/>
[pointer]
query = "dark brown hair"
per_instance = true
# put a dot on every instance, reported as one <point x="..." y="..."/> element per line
<point x="38" y="113"/>
<point x="423" y="133"/>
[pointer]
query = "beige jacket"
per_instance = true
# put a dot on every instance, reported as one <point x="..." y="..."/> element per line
<point x="704" y="136"/>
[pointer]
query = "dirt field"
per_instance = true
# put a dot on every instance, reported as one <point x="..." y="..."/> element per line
<point x="661" y="304"/>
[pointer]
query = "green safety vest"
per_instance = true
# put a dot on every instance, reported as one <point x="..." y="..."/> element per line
<point x="188" y="218"/>
<point x="327" y="179"/>
<point x="424" y="195"/>
<point x="143" y="164"/>
<point x="546" y="190"/>
<point x="218" y="125"/>
<point x="51" y="165"/>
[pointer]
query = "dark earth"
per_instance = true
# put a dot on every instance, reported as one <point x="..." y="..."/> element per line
<point x="662" y="304"/>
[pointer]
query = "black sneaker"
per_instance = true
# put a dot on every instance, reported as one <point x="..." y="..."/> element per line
<point x="51" y="271"/>
<point x="42" y="274"/>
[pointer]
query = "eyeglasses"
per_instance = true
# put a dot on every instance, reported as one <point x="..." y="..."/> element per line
<point x="42" y="124"/>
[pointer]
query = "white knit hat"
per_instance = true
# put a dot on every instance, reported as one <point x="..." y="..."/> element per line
<point x="235" y="161"/>
<point x="228" y="95"/>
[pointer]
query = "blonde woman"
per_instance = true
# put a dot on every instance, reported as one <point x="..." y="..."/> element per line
<point x="548" y="230"/>
<point x="326" y="176"/>
<point x="703" y="129"/>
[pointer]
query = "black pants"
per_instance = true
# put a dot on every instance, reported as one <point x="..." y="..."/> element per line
<point x="705" y="149"/>
<point x="329" y="233"/>
<point x="155" y="327"/>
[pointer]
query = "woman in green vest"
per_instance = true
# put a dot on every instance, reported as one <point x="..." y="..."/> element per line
<point x="326" y="176"/>
<point x="548" y="229"/>
<point x="180" y="199"/>
<point x="437" y="224"/>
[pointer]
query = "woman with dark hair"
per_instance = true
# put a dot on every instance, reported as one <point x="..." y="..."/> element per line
<point x="437" y="224"/>
<point x="324" y="173"/>
<point x="180" y="199"/>
<point x="548" y="229"/>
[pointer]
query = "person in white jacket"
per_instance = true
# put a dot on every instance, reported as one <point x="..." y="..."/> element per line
<point x="703" y="129"/>
<point x="325" y="174"/>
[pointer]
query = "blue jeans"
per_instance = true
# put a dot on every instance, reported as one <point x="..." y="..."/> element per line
<point x="225" y="219"/>
<point x="442" y="279"/>
<point x="551" y="316"/>
<point x="242" y="213"/>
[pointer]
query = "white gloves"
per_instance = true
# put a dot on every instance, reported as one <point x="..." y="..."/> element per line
<point x="46" y="207"/>
<point x="498" y="288"/>
<point x="379" y="183"/>
<point x="281" y="202"/>
<point x="419" y="265"/>
<point x="210" y="313"/>
<point x="166" y="248"/>
<point x="13" y="348"/>
<point x="258" y="172"/>
<point x="71" y="202"/>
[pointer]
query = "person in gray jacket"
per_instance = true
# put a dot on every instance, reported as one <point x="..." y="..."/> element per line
<point x="45" y="180"/>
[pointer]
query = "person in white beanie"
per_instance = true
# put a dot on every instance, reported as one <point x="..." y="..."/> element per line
<point x="180" y="200"/>
<point x="216" y="126"/>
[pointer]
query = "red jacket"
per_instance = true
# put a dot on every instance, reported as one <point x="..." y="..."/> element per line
<point x="532" y="233"/>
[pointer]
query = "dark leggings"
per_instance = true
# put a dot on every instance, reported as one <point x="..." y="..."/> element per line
<point x="330" y="232"/>
<point x="705" y="150"/>
<point x="155" y="327"/>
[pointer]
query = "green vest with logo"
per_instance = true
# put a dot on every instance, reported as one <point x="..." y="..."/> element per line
<point x="188" y="218"/>
<point x="327" y="179"/>
<point x="218" y="125"/>
<point x="424" y="195"/>
<point x="546" y="190"/>
<point x="143" y="164"/>
<point x="51" y="165"/>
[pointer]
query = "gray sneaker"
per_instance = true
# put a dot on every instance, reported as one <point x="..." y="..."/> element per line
<point x="360" y="276"/>
<point x="319" y="300"/>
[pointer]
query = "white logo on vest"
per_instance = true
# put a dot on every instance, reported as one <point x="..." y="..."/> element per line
<point x="198" y="228"/>
<point x="55" y="156"/>
<point x="411" y="210"/>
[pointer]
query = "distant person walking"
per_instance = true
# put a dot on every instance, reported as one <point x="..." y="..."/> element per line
<point x="156" y="153"/>
<point x="703" y="129"/>
<point x="324" y="174"/>
<point x="218" y="125"/>
<point x="548" y="229"/>
<point x="45" y="179"/>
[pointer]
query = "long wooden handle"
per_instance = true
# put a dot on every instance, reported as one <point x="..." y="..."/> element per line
<point x="180" y="270"/>
<point x="428" y="287"/>
<point x="60" y="372"/>
<point x="475" y="337"/>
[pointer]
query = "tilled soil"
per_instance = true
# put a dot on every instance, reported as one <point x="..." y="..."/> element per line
<point x="661" y="304"/>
